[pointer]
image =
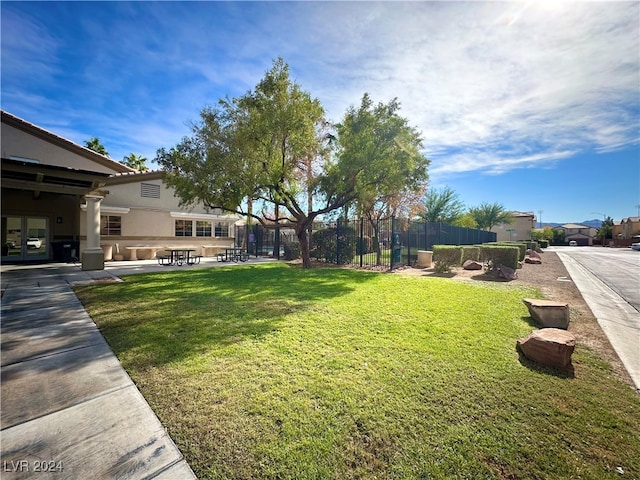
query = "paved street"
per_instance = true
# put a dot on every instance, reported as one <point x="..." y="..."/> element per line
<point x="609" y="281"/>
<point x="618" y="268"/>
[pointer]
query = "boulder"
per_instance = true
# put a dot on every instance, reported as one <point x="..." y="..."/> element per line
<point x="472" y="265"/>
<point x="532" y="253"/>
<point x="533" y="260"/>
<point x="547" y="313"/>
<point x="507" y="272"/>
<point x="550" y="346"/>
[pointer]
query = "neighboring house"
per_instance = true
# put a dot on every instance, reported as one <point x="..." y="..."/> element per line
<point x="582" y="234"/>
<point x="629" y="227"/>
<point x="520" y="229"/>
<point x="67" y="196"/>
<point x="141" y="211"/>
<point x="617" y="229"/>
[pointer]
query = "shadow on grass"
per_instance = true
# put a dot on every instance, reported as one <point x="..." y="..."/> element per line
<point x="164" y="317"/>
<point x="567" y="372"/>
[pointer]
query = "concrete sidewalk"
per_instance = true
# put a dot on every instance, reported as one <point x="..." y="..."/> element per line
<point x="618" y="319"/>
<point x="69" y="410"/>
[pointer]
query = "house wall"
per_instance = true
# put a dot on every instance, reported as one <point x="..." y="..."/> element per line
<point x="630" y="226"/>
<point x="62" y="211"/>
<point x="522" y="226"/>
<point x="151" y="222"/>
<point x="17" y="143"/>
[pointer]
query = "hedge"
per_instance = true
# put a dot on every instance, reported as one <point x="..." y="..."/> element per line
<point x="470" y="253"/>
<point x="506" y="255"/>
<point x="543" y="243"/>
<point x="446" y="256"/>
<point x="522" y="248"/>
<point x="329" y="241"/>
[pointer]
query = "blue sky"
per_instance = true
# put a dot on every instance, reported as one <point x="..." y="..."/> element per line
<point x="534" y="105"/>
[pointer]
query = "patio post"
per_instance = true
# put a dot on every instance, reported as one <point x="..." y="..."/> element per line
<point x="93" y="256"/>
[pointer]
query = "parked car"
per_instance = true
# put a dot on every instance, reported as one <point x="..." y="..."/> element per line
<point x="573" y="243"/>
<point x="11" y="244"/>
<point x="34" y="243"/>
<point x="635" y="246"/>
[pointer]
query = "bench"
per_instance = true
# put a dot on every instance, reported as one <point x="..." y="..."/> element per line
<point x="194" y="259"/>
<point x="243" y="257"/>
<point x="221" y="257"/>
<point x="163" y="259"/>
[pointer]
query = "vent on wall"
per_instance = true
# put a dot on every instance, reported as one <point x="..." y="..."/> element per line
<point x="149" y="190"/>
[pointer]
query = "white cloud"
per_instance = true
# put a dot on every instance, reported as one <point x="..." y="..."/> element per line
<point x="492" y="86"/>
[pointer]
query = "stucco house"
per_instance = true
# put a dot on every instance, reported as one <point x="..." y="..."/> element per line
<point x="629" y="228"/>
<point x="582" y="234"/>
<point x="59" y="197"/>
<point x="519" y="229"/>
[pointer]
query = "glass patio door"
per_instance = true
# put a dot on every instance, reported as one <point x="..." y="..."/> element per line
<point x="25" y="238"/>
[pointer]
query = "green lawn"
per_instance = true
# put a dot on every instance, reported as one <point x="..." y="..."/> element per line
<point x="272" y="371"/>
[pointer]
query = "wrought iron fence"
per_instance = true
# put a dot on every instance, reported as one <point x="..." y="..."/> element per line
<point x="384" y="243"/>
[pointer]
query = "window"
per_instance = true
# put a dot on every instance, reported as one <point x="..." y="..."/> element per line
<point x="203" y="229"/>
<point x="149" y="190"/>
<point x="222" y="230"/>
<point x="110" y="225"/>
<point x="184" y="228"/>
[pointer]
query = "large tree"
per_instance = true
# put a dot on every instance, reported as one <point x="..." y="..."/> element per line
<point x="94" y="144"/>
<point x="488" y="215"/>
<point x="442" y="206"/>
<point x="382" y="151"/>
<point x="266" y="148"/>
<point x="606" y="229"/>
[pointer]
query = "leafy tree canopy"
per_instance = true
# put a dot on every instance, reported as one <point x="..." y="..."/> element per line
<point x="606" y="229"/>
<point x="270" y="147"/>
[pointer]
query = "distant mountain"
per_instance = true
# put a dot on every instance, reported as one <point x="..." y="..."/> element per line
<point x="595" y="223"/>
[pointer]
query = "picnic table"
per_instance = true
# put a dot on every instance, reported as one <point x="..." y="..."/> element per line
<point x="233" y="254"/>
<point x="179" y="256"/>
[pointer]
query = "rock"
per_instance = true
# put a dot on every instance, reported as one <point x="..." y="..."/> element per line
<point x="547" y="313"/>
<point x="532" y="253"/>
<point x="550" y="346"/>
<point x="507" y="272"/>
<point x="533" y="260"/>
<point x="472" y="265"/>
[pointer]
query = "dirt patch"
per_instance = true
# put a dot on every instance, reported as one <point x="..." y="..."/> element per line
<point x="554" y="282"/>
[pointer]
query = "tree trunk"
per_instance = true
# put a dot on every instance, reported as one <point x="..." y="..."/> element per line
<point x="304" y="246"/>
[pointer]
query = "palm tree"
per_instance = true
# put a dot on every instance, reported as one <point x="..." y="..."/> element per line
<point x="442" y="206"/>
<point x="136" y="161"/>
<point x="95" y="145"/>
<point x="488" y="215"/>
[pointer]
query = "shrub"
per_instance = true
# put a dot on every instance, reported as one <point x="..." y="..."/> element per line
<point x="445" y="257"/>
<point x="335" y="245"/>
<point x="496" y="255"/>
<point x="291" y="250"/>
<point x="543" y="243"/>
<point x="470" y="253"/>
<point x="522" y="248"/>
<point x="365" y="245"/>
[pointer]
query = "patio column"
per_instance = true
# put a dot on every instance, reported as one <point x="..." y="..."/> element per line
<point x="93" y="256"/>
